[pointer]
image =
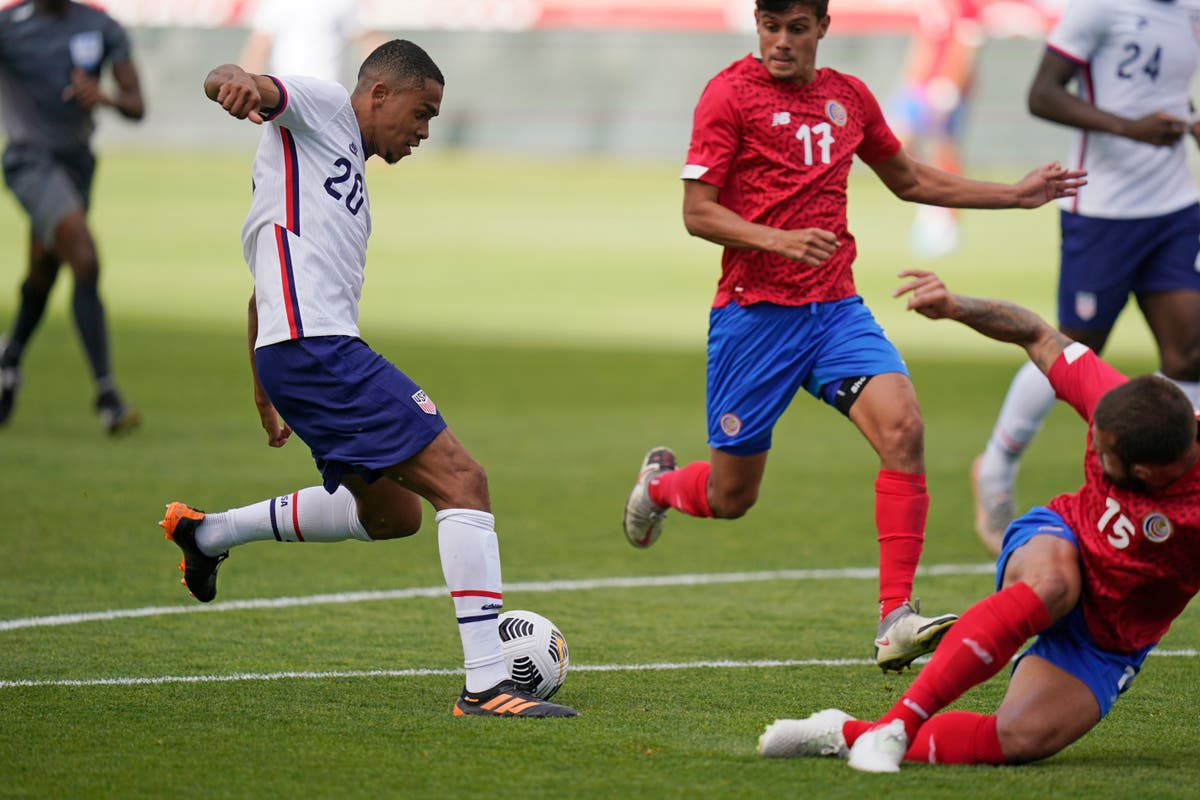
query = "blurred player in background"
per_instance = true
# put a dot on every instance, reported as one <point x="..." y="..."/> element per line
<point x="772" y="144"/>
<point x="1135" y="228"/>
<point x="1097" y="575"/>
<point x="290" y="38"/>
<point x="52" y="53"/>
<point x="378" y="439"/>
<point x="927" y="114"/>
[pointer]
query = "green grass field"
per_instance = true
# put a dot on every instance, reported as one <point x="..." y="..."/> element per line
<point x="556" y="312"/>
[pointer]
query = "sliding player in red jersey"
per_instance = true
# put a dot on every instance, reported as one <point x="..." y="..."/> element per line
<point x="766" y="174"/>
<point x="1098" y="575"/>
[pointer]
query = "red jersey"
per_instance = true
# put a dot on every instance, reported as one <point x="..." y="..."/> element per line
<point x="1140" y="552"/>
<point x="780" y="154"/>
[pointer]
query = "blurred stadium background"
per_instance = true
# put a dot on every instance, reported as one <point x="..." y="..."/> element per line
<point x="613" y="77"/>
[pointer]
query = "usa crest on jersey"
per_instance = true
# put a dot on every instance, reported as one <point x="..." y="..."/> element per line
<point x="424" y="403"/>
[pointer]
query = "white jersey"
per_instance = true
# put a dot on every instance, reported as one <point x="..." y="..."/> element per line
<point x="1135" y="57"/>
<point x="309" y="37"/>
<point x="305" y="238"/>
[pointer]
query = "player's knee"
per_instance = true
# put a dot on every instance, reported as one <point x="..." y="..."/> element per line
<point x="732" y="502"/>
<point x="1024" y="743"/>
<point x="391" y="528"/>
<point x="1182" y="364"/>
<point x="470" y="483"/>
<point x="902" y="439"/>
<point x="1056" y="589"/>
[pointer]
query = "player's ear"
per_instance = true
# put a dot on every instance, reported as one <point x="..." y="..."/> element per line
<point x="379" y="93"/>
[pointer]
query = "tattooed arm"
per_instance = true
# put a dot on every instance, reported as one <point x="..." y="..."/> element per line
<point x="996" y="319"/>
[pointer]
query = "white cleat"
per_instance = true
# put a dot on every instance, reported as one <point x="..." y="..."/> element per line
<point x="643" y="517"/>
<point x="904" y="636"/>
<point x="880" y="749"/>
<point x="819" y="735"/>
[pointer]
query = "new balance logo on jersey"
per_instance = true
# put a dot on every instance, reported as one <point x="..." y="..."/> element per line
<point x="780" y="118"/>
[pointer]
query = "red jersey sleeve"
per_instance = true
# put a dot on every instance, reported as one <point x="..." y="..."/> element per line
<point x="878" y="142"/>
<point x="716" y="135"/>
<point x="1081" y="378"/>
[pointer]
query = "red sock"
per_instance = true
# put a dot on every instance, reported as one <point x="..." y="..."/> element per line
<point x="685" y="489"/>
<point x="979" y="645"/>
<point x="957" y="737"/>
<point x="901" y="506"/>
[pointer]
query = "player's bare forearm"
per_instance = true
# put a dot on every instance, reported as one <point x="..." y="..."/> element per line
<point x="128" y="100"/>
<point x="276" y="429"/>
<point x="920" y="183"/>
<point x="705" y="217"/>
<point x="996" y="319"/>
<point x="242" y="94"/>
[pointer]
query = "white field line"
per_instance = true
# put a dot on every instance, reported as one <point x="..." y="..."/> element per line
<point x="408" y="673"/>
<point x="850" y="573"/>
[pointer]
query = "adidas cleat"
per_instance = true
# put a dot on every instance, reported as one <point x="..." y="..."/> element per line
<point x="904" y="636"/>
<point x="199" y="570"/>
<point x="643" y="517"/>
<point x="506" y="699"/>
<point x="818" y="735"/>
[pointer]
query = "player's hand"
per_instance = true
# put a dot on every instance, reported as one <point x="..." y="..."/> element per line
<point x="1048" y="182"/>
<point x="85" y="90"/>
<point x="927" y="294"/>
<point x="240" y="97"/>
<point x="1159" y="129"/>
<point x="277" y="430"/>
<point x="812" y="246"/>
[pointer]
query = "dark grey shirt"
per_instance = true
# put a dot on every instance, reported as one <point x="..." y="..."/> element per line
<point x="37" y="53"/>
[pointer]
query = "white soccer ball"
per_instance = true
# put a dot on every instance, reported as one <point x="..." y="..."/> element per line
<point x="535" y="651"/>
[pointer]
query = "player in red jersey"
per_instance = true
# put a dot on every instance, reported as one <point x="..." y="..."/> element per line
<point x="766" y="174"/>
<point x="1098" y="574"/>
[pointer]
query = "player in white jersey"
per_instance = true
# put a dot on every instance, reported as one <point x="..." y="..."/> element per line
<point x="377" y="438"/>
<point x="1134" y="229"/>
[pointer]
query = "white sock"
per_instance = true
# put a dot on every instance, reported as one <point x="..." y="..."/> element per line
<point x="307" y="515"/>
<point x="1030" y="398"/>
<point x="470" y="556"/>
<point x="1190" y="388"/>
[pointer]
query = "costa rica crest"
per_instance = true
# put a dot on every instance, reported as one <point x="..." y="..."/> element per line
<point x="836" y="113"/>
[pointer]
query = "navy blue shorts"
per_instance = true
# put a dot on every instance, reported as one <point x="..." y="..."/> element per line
<point x="48" y="185"/>
<point x="1103" y="261"/>
<point x="760" y="355"/>
<point x="1067" y="644"/>
<point x="353" y="408"/>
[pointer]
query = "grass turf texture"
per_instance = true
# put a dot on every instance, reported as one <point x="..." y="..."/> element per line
<point x="556" y="313"/>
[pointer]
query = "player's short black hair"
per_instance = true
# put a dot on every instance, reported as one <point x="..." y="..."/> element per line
<point x="819" y="7"/>
<point x="402" y="61"/>
<point x="1151" y="420"/>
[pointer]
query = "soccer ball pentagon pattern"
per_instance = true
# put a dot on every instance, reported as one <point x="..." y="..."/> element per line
<point x="535" y="651"/>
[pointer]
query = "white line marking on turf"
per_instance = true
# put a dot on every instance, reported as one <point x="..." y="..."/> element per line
<point x="852" y="573"/>
<point x="409" y="673"/>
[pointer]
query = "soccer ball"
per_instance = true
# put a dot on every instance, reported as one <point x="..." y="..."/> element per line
<point x="535" y="651"/>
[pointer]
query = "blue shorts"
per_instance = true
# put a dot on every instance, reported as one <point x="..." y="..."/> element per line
<point x="350" y="405"/>
<point x="48" y="185"/>
<point x="1103" y="261"/>
<point x="760" y="355"/>
<point x="1067" y="644"/>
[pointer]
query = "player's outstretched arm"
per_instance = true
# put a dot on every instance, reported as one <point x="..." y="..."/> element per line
<point x="915" y="182"/>
<point x="242" y="94"/>
<point x="996" y="319"/>
<point x="704" y="216"/>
